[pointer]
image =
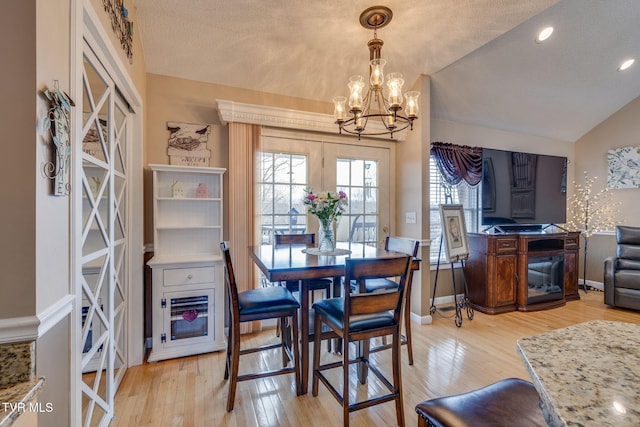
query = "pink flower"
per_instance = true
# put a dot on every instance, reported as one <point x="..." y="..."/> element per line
<point x="311" y="197"/>
<point x="342" y="194"/>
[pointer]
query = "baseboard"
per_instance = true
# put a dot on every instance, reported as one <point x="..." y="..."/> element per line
<point x="421" y="320"/>
<point x="592" y="284"/>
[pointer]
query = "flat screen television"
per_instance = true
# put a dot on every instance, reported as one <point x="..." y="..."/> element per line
<point x="522" y="191"/>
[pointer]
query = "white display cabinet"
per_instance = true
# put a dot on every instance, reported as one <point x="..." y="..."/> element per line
<point x="187" y="268"/>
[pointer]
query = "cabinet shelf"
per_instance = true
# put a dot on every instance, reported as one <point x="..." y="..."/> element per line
<point x="187" y="270"/>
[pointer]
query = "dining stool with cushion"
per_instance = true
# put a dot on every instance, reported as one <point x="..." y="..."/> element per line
<point x="308" y="240"/>
<point x="408" y="247"/>
<point x="313" y="285"/>
<point x="358" y="317"/>
<point x="507" y="403"/>
<point x="275" y="302"/>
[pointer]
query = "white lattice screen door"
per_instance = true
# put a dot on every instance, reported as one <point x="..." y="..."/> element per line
<point x="102" y="240"/>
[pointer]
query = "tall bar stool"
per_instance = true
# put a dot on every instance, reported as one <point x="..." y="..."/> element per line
<point x="308" y="240"/>
<point x="275" y="302"/>
<point x="358" y="317"/>
<point x="408" y="247"/>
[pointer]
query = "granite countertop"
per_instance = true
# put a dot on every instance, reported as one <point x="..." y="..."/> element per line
<point x="587" y="374"/>
<point x="16" y="399"/>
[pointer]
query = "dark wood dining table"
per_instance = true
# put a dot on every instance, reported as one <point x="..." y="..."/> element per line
<point x="289" y="262"/>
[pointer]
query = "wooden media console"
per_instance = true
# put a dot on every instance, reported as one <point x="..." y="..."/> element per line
<point x="521" y="271"/>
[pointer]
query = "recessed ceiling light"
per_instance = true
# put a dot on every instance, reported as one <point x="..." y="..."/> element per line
<point x="626" y="64"/>
<point x="544" y="34"/>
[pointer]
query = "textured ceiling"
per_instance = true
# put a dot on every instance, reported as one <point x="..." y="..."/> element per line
<point x="480" y="53"/>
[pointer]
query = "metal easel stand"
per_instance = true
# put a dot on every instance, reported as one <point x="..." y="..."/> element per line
<point x="459" y="304"/>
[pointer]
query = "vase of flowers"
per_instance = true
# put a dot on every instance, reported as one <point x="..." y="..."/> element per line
<point x="327" y="207"/>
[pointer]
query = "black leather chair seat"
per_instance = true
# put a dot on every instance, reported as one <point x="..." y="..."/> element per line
<point x="507" y="403"/>
<point x="374" y="285"/>
<point x="263" y="300"/>
<point x="314" y="285"/>
<point x="333" y="310"/>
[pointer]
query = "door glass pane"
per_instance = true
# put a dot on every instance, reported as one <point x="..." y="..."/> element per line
<point x="358" y="178"/>
<point x="189" y="317"/>
<point x="282" y="181"/>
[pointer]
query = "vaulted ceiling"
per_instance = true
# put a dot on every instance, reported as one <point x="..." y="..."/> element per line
<point x="485" y="66"/>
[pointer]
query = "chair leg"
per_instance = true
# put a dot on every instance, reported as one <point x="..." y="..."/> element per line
<point x="363" y="368"/>
<point x="345" y="380"/>
<point x="284" y="340"/>
<point x="397" y="377"/>
<point x="227" y="366"/>
<point x="296" y="352"/>
<point x="235" y="362"/>
<point x="317" y="328"/>
<point x="327" y="295"/>
<point x="407" y="330"/>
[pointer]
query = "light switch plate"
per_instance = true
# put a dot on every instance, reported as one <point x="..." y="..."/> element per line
<point x="410" y="217"/>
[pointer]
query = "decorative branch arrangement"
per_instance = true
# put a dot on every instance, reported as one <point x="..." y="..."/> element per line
<point x="121" y="24"/>
<point x="57" y="123"/>
<point x="591" y="212"/>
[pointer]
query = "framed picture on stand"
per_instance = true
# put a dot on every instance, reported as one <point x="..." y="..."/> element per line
<point x="454" y="231"/>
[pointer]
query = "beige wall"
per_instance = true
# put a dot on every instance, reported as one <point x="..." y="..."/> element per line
<point x="18" y="177"/>
<point x="411" y="185"/>
<point x="622" y="129"/>
<point x="171" y="99"/>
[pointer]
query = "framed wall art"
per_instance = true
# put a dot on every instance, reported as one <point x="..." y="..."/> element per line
<point x="454" y="232"/>
<point x="623" y="166"/>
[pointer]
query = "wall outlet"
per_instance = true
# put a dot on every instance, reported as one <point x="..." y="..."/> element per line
<point x="410" y="217"/>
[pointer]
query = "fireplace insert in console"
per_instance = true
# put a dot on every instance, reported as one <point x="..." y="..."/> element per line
<point x="545" y="278"/>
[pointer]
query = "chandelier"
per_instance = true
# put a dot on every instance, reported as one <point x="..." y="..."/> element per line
<point x="372" y="113"/>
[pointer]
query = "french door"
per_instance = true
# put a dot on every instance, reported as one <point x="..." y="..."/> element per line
<point x="290" y="164"/>
<point x="102" y="235"/>
<point x="362" y="173"/>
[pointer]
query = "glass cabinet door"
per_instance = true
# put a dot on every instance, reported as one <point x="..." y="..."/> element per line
<point x="188" y="317"/>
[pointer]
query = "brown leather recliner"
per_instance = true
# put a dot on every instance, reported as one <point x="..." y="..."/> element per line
<point x="622" y="272"/>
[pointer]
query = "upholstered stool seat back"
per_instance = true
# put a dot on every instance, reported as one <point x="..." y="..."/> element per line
<point x="507" y="403"/>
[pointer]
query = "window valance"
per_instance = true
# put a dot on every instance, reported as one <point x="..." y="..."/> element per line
<point x="458" y="162"/>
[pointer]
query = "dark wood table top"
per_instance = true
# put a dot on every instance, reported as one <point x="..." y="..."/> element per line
<point x="291" y="263"/>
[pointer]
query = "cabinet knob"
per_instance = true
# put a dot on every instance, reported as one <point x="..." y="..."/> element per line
<point x="190" y="276"/>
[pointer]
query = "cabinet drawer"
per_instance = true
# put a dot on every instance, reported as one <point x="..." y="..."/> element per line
<point x="506" y="245"/>
<point x="188" y="276"/>
<point x="571" y="242"/>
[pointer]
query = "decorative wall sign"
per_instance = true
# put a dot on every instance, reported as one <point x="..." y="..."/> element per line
<point x="623" y="168"/>
<point x="57" y="123"/>
<point x="121" y="24"/>
<point x="188" y="144"/>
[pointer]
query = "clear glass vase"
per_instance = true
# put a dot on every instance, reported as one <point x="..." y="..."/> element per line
<point x="326" y="236"/>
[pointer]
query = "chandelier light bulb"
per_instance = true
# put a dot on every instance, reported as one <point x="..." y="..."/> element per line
<point x="339" y="110"/>
<point x="395" y="84"/>
<point x="356" y="84"/>
<point x="377" y="72"/>
<point x="412" y="104"/>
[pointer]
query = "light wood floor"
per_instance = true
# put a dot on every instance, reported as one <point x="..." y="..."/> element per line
<point x="190" y="391"/>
